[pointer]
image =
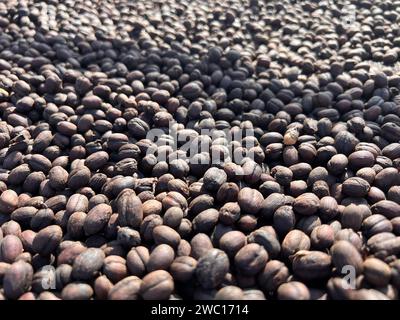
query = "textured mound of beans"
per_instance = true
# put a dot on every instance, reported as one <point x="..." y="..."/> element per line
<point x="89" y="211"/>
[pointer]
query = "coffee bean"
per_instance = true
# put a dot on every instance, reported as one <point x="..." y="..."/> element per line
<point x="355" y="187"/>
<point x="23" y="215"/>
<point x="380" y="237"/>
<point x="206" y="220"/>
<point x="184" y="248"/>
<point x="395" y="223"/>
<point x="230" y="293"/>
<point x="183" y="268"/>
<point x="250" y="294"/>
<point x="308" y="224"/>
<point x="115" y="186"/>
<point x="387" y="208"/>
<point x="345" y="254"/>
<point x="166" y="235"/>
<point x="102" y="287"/>
<point x="352" y="217"/>
<point x="322" y="237"/>
<point x="395" y="266"/>
<point x="42" y="219"/>
<point x="200" y="245"/>
<point x="282" y="175"/>
<point x="345" y="142"/>
<point x="306" y="204"/>
<point x="294" y="241"/>
<point x="136" y="260"/>
<point x="17" y="279"/>
<point x="251" y="259"/>
<point x="96" y="160"/>
<point x="386" y="247"/>
<point x="58" y="178"/>
<point x="376" y="224"/>
<point x="294" y="150"/>
<point x="42" y="279"/>
<point x="62" y="276"/>
<point x="3" y="268"/>
<point x="201" y="203"/>
<point x="231" y="242"/>
<point x="228" y="192"/>
<point x="212" y="268"/>
<point x="250" y="200"/>
<point x="47" y="240"/>
<point x="160" y="258"/>
<point x="269" y="187"/>
<point x="156" y="285"/>
<point x="386" y="178"/>
<point x="311" y="265"/>
<point x="377" y="272"/>
<point x="178" y="185"/>
<point x="191" y="90"/>
<point x="97" y="219"/>
<point x="92" y="102"/>
<point x="39" y="162"/>
<point x="150" y="206"/>
<point x="18" y="175"/>
<point x="77" y="291"/>
<point x="129" y="208"/>
<point x="336" y="290"/>
<point x="147" y="226"/>
<point x="70" y="252"/>
<point x="367" y="294"/>
<point x="214" y="178"/>
<point x="10" y="248"/>
<point x="317" y="174"/>
<point x="271" y="204"/>
<point x="126" y="167"/>
<point x="87" y="264"/>
<point x="266" y="239"/>
<point x="78" y="178"/>
<point x="394" y="194"/>
<point x="33" y="181"/>
<point x="8" y="201"/>
<point x="174" y="199"/>
<point x="300" y="170"/>
<point x="320" y="189"/>
<point x="128" y="237"/>
<point x="375" y="195"/>
<point x="77" y="203"/>
<point x="273" y="275"/>
<point x="126" y="289"/>
<point x="368" y="174"/>
<point x="293" y="290"/>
